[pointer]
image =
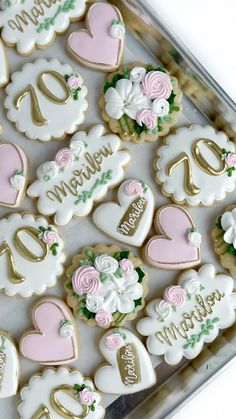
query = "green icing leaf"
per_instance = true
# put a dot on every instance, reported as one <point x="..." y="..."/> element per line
<point x="69" y="285"/>
<point x="172" y="98"/>
<point x="149" y="68"/>
<point x="88" y="314"/>
<point x="85" y="262"/>
<point x="103" y="276"/>
<point x="118" y="273"/>
<point x="90" y="253"/>
<point x="140" y="273"/>
<point x="139" y="129"/>
<point x="218" y="223"/>
<point x="231" y="249"/>
<point x="138" y="302"/>
<point x="124" y="254"/>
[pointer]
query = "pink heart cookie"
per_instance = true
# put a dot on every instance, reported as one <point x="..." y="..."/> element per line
<point x="178" y="246"/>
<point x="54" y="340"/>
<point x="101" y="45"/>
<point x="13" y="175"/>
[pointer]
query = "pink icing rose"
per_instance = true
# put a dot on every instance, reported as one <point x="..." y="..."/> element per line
<point x="175" y="295"/>
<point x="103" y="318"/>
<point x="230" y="160"/>
<point x="64" y="157"/>
<point x="133" y="188"/>
<point x="86" y="397"/>
<point x="147" y="118"/>
<point x="126" y="265"/>
<point x="85" y="280"/>
<point x="114" y="342"/>
<point x="73" y="82"/>
<point x="50" y="237"/>
<point x="157" y="85"/>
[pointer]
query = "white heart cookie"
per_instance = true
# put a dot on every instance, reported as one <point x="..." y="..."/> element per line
<point x="132" y="219"/>
<point x="130" y="369"/>
<point x="9" y="366"/>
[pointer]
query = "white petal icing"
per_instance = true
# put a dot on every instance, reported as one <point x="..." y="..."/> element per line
<point x="49" y="169"/>
<point x="160" y="107"/>
<point x="163" y="308"/>
<point x="78" y="147"/>
<point x="105" y="263"/>
<point x="137" y="74"/>
<point x="66" y="329"/>
<point x="192" y="286"/>
<point x="194" y="238"/>
<point x="17" y="181"/>
<point x="117" y="30"/>
<point x="94" y="303"/>
<point x="228" y="223"/>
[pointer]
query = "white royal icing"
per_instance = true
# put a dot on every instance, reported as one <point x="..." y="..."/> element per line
<point x="228" y="223"/>
<point x="194" y="238"/>
<point x="17" y="181"/>
<point x="39" y="274"/>
<point x="28" y="24"/>
<point x="160" y="107"/>
<point x="47" y="382"/>
<point x="4" y="70"/>
<point x="207" y="296"/>
<point x="212" y="188"/>
<point x="105" y="263"/>
<point x="49" y="169"/>
<point x="137" y="211"/>
<point x="61" y="118"/>
<point x="66" y="329"/>
<point x="137" y="74"/>
<point x="117" y="30"/>
<point x="79" y="202"/>
<point x="134" y="362"/>
<point x="9" y="367"/>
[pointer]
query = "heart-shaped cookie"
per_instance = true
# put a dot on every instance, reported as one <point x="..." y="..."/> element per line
<point x="54" y="340"/>
<point x="101" y="45"/>
<point x="178" y="246"/>
<point x="132" y="218"/>
<point x="130" y="369"/>
<point x="9" y="366"/>
<point x="13" y="175"/>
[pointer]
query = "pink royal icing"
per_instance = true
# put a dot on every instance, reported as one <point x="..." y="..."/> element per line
<point x="65" y="157"/>
<point x="148" y="118"/>
<point x="126" y="265"/>
<point x="175" y="295"/>
<point x="85" y="280"/>
<point x="157" y="85"/>
<point x="50" y="237"/>
<point x="86" y="397"/>
<point x="12" y="159"/>
<point x="95" y="47"/>
<point x="114" y="342"/>
<point x="103" y="318"/>
<point x="133" y="188"/>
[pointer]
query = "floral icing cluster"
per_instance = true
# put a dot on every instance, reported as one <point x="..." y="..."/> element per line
<point x="117" y="29"/>
<point x="144" y="95"/>
<point x="230" y="160"/>
<point x="135" y="188"/>
<point x="115" y="341"/>
<point x="227" y="224"/>
<point x="74" y="83"/>
<point x="64" y="158"/>
<point x="17" y="180"/>
<point x="107" y="287"/>
<point x="50" y="237"/>
<point x="86" y="396"/>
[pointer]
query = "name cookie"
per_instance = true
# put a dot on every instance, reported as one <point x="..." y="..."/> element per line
<point x="9" y="366"/>
<point x="55" y="339"/>
<point x="178" y="244"/>
<point x="30" y="24"/>
<point x="132" y="218"/>
<point x="63" y="393"/>
<point x="41" y="94"/>
<point x="31" y="255"/>
<point x="4" y="66"/>
<point x="105" y="27"/>
<point x="79" y="175"/>
<point x="129" y="367"/>
<point x="202" y="173"/>
<point x="191" y="314"/>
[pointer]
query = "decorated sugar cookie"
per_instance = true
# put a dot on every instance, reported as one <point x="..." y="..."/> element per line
<point x="132" y="218"/>
<point x="203" y="172"/>
<point x="106" y="286"/>
<point x="191" y="314"/>
<point x="79" y="175"/>
<point x="128" y="369"/>
<point x="101" y="45"/>
<point x="178" y="244"/>
<point x="46" y="100"/>
<point x="31" y="255"/>
<point x="13" y="175"/>
<point x="63" y="393"/>
<point x="140" y="102"/>
<point x="4" y="66"/>
<point x="30" y="24"/>
<point x="9" y="366"/>
<point x="54" y="340"/>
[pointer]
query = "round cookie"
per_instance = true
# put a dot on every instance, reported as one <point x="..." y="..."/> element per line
<point x="9" y="366"/>
<point x="79" y="175"/>
<point x="41" y="94"/>
<point x="140" y="102"/>
<point x="31" y="255"/>
<point x="191" y="314"/>
<point x="200" y="174"/>
<point x="54" y="340"/>
<point x="105" y="27"/>
<point x="29" y="24"/>
<point x="106" y="286"/>
<point x="63" y="393"/>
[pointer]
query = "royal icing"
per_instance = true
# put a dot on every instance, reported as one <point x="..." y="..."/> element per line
<point x="31" y="255"/>
<point x="178" y="245"/>
<point x="105" y="288"/>
<point x="79" y="175"/>
<point x="129" y="367"/>
<point x="63" y="393"/>
<point x="4" y="67"/>
<point x="228" y="224"/>
<point x="29" y="24"/>
<point x="13" y="174"/>
<point x="202" y="173"/>
<point x="132" y="218"/>
<point x="9" y="366"/>
<point x="101" y="45"/>
<point x="195" y="310"/>
<point x="54" y="340"/>
<point x="39" y="97"/>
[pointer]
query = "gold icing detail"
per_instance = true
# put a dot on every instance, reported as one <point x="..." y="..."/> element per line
<point x="132" y="217"/>
<point x="189" y="186"/>
<point x="24" y="251"/>
<point x="37" y="116"/>
<point x="128" y="364"/>
<point x="202" y="163"/>
<point x="46" y="92"/>
<point x="60" y="409"/>
<point x="14" y="276"/>
<point x="42" y="413"/>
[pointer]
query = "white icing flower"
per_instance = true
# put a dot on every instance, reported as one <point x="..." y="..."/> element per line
<point x="127" y="98"/>
<point x="49" y="169"/>
<point x="117" y="29"/>
<point x="94" y="303"/>
<point x="66" y="329"/>
<point x="105" y="263"/>
<point x="192" y="286"/>
<point x="194" y="238"/>
<point x="5" y="4"/>
<point x="78" y="147"/>
<point x="164" y="309"/>
<point x="228" y="223"/>
<point x="137" y="74"/>
<point x="160" y="107"/>
<point x="17" y="181"/>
